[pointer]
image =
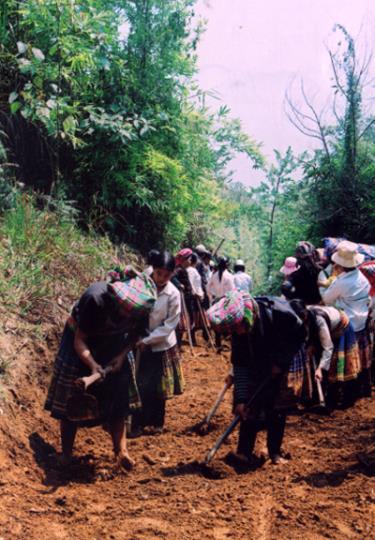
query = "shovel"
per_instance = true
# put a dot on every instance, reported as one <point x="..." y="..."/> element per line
<point x="81" y="405"/>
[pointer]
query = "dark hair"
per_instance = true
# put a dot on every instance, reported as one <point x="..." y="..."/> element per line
<point x="222" y="265"/>
<point x="193" y="258"/>
<point x="308" y="259"/>
<point x="151" y="256"/>
<point x="164" y="260"/>
<point x="287" y="289"/>
<point x="239" y="267"/>
<point x="306" y="250"/>
<point x="299" y="307"/>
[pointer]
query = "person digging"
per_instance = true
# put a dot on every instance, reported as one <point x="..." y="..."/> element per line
<point x="97" y="338"/>
<point x="266" y="335"/>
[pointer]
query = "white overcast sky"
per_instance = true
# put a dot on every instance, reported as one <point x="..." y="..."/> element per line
<point x="252" y="50"/>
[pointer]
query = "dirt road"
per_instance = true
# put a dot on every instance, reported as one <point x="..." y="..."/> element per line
<point x="321" y="493"/>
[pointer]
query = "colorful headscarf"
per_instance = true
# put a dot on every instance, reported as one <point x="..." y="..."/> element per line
<point x="368" y="270"/>
<point x="136" y="296"/>
<point x="251" y="311"/>
<point x="121" y="274"/>
<point x="330" y="245"/>
<point x="233" y="310"/>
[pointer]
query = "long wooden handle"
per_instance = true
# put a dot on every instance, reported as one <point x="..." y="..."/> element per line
<point x="234" y="423"/>
<point x="215" y="407"/>
<point x="84" y="382"/>
<point x="322" y="401"/>
<point x="188" y="322"/>
<point x="222" y="438"/>
<point x="205" y="324"/>
<point x="218" y="247"/>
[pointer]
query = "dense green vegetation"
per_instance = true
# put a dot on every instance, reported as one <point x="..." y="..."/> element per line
<point x="99" y="105"/>
<point x="100" y="114"/>
<point x="44" y="254"/>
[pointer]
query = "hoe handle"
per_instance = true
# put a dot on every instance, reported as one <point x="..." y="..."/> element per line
<point x="84" y="382"/>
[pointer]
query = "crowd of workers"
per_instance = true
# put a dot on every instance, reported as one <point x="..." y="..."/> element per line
<point x="311" y="343"/>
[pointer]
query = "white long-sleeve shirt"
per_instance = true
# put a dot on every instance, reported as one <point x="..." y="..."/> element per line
<point x="243" y="282"/>
<point x="195" y="281"/>
<point x="163" y="319"/>
<point x="350" y="292"/>
<point x="325" y="332"/>
<point x="217" y="288"/>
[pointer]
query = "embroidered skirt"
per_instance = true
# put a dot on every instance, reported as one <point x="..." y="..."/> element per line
<point x="345" y="362"/>
<point x="187" y="313"/>
<point x="365" y="349"/>
<point x="160" y="373"/>
<point x="295" y="376"/>
<point x="198" y="314"/>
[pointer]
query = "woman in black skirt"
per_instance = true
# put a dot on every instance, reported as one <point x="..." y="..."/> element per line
<point x="104" y="323"/>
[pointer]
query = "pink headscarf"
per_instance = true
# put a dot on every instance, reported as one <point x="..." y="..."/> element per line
<point x="183" y="254"/>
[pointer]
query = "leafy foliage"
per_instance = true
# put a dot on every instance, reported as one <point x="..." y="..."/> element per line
<point x="100" y="111"/>
<point x="40" y="245"/>
<point x="268" y="220"/>
<point x="107" y="89"/>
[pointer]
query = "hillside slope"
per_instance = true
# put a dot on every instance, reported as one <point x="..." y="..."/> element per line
<point x="321" y="493"/>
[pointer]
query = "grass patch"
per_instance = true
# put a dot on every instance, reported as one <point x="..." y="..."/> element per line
<point x="46" y="260"/>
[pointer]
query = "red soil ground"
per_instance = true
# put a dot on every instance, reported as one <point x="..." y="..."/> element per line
<point x="323" y="492"/>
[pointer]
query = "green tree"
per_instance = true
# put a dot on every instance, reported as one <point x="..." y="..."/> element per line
<point x="119" y="122"/>
<point x="340" y="172"/>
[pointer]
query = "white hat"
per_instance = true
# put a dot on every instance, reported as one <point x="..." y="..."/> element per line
<point x="239" y="262"/>
<point x="201" y="250"/>
<point x="346" y="255"/>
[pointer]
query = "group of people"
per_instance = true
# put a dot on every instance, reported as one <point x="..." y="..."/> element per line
<point x="202" y="279"/>
<point x="332" y="288"/>
<point x="129" y="328"/>
<point x="313" y="344"/>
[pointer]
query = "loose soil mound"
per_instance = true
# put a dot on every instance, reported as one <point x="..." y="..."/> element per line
<point x="323" y="492"/>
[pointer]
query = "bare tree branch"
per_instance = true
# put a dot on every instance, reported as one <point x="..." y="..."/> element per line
<point x="371" y="123"/>
<point x="335" y="73"/>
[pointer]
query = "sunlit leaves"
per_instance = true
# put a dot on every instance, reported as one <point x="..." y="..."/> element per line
<point x="38" y="54"/>
<point x="119" y="114"/>
<point x="21" y="47"/>
<point x="12" y="97"/>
